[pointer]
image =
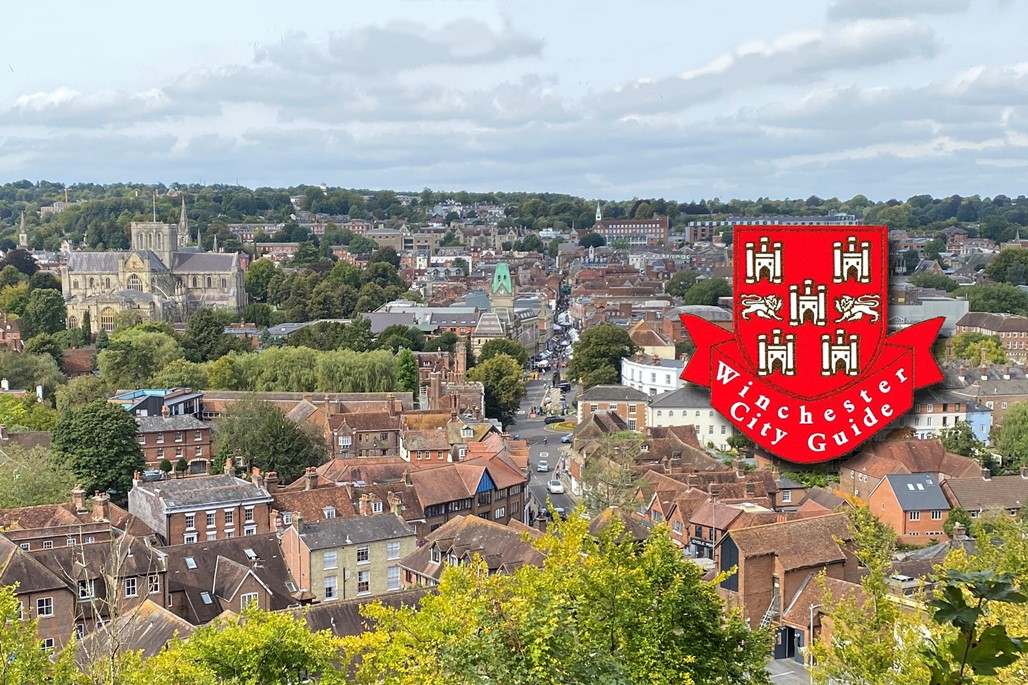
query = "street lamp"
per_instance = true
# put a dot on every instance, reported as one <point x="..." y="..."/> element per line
<point x="810" y="643"/>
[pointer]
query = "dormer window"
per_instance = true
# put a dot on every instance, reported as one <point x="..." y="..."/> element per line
<point x="437" y="556"/>
<point x="466" y="432"/>
<point x="329" y="512"/>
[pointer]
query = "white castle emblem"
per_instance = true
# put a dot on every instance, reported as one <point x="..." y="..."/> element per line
<point x="765" y="262"/>
<point x="780" y="350"/>
<point x="840" y="355"/>
<point x="854" y="261"/>
<point x="808" y="305"/>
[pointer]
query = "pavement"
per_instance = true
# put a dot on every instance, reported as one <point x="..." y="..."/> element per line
<point x="535" y="432"/>
<point x="787" y="672"/>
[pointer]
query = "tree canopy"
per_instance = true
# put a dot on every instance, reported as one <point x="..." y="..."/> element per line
<point x="600" y="347"/>
<point x="502" y="377"/>
<point x="97" y="441"/>
<point x="503" y="346"/>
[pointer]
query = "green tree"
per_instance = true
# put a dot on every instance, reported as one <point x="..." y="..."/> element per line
<point x="970" y="346"/>
<point x="592" y="240"/>
<point x="44" y="313"/>
<point x="26" y="371"/>
<point x="261" y="433"/>
<point x="1001" y="298"/>
<point x="14" y="299"/>
<point x="87" y="328"/>
<point x="135" y="356"/>
<point x="25" y="413"/>
<point x="606" y="375"/>
<point x="21" y="260"/>
<point x="598" y="610"/>
<point x="205" y="338"/>
<point x="1011" y="436"/>
<point x="957" y="515"/>
<point x="872" y="643"/>
<point x="503" y="346"/>
<point x="385" y="254"/>
<point x="707" y="292"/>
<point x="399" y="336"/>
<point x="1002" y="268"/>
<point x="24" y="662"/>
<point x="960" y="439"/>
<point x="602" y="346"/>
<point x="503" y="380"/>
<point x="462" y="266"/>
<point x="930" y="279"/>
<point x="45" y="344"/>
<point x="81" y="390"/>
<point x="32" y="477"/>
<point x="97" y="442"/>
<point x="44" y="280"/>
<point x="182" y="373"/>
<point x="607" y="476"/>
<point x="407" y="377"/>
<point x="258" y="278"/>
<point x="125" y="320"/>
<point x="10" y="276"/>
<point x="680" y="283"/>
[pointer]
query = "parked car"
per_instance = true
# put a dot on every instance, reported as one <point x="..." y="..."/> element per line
<point x="555" y="487"/>
<point x="542" y="465"/>
<point x="567" y="438"/>
<point x="552" y="419"/>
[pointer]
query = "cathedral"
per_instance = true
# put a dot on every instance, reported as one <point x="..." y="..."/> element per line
<point x="162" y="278"/>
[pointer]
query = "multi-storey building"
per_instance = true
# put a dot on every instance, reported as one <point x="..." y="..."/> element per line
<point x="175" y="438"/>
<point x="203" y="508"/>
<point x="635" y="232"/>
<point x="1011" y="329"/>
<point x="628" y="403"/>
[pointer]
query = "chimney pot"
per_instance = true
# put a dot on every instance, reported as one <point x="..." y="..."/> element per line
<point x="986" y="474"/>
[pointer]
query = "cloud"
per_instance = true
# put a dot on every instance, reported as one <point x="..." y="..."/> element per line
<point x="791" y="59"/>
<point x="887" y="9"/>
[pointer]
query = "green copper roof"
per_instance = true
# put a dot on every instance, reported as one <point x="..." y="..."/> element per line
<point x="501" y="280"/>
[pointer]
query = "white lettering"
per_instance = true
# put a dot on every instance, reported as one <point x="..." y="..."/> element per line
<point x="725" y="373"/>
<point x="816" y="442"/>
<point x="732" y="411"/>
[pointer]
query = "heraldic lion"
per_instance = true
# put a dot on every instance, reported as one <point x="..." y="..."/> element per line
<point x="766" y="307"/>
<point x="855" y="309"/>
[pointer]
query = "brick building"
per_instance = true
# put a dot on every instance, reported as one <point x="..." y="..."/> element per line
<point x="913" y="505"/>
<point x="649" y="232"/>
<point x="203" y="508"/>
<point x="628" y="403"/>
<point x="1011" y="329"/>
<point x="174" y="438"/>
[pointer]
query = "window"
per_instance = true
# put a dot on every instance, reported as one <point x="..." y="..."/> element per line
<point x="363" y="555"/>
<point x="393" y="578"/>
<point x="189" y="538"/>
<point x="330" y="560"/>
<point x="631" y="424"/>
<point x="230" y="517"/>
<point x="86" y="588"/>
<point x="676" y="526"/>
<point x="130" y="587"/>
<point x="376" y="507"/>
<point x="248" y="514"/>
<point x="329" y="512"/>
<point x="141" y="439"/>
<point x="249" y="530"/>
<point x="914" y="516"/>
<point x="179" y="437"/>
<point x="179" y="452"/>
<point x="153" y="584"/>
<point x="190" y="563"/>
<point x="25" y="546"/>
<point x="614" y="407"/>
<point x="437" y="556"/>
<point x="160" y="438"/>
<point x="47" y="644"/>
<point x="931" y="408"/>
<point x="632" y="408"/>
<point x="69" y="542"/>
<point x="197" y="436"/>
<point x="936" y="515"/>
<point x="206" y="597"/>
<point x="345" y="441"/>
<point x="80" y="631"/>
<point x="363" y="582"/>
<point x="393" y="549"/>
<point x="45" y="607"/>
<point x="48" y="544"/>
<point x="287" y="518"/>
<point x="246" y="599"/>
<point x="786" y="495"/>
<point x="210" y="519"/>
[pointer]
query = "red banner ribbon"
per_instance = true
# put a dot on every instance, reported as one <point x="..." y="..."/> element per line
<point x="811" y="429"/>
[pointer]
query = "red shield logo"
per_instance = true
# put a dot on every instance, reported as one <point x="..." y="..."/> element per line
<point x="810" y="372"/>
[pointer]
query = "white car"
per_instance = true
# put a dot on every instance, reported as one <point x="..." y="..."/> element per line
<point x="555" y="487"/>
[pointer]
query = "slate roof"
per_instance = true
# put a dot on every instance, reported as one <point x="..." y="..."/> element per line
<point x="146" y="628"/>
<point x="18" y="567"/>
<point x="179" y="422"/>
<point x="354" y="531"/>
<point x="978" y="494"/>
<point x="631" y="527"/>
<point x="204" y="491"/>
<point x="344" y="618"/>
<point x="201" y="262"/>
<point x="613" y="393"/>
<point x="917" y="491"/>
<point x="489" y="325"/>
<point x="1001" y="323"/>
<point x="687" y="397"/>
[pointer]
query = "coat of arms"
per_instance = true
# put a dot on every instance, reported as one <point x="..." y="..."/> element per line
<point x="810" y="372"/>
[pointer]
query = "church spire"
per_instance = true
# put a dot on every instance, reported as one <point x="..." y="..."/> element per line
<point x="599" y="215"/>
<point x="23" y="236"/>
<point x="183" y="221"/>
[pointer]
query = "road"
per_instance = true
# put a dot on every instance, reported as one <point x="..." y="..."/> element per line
<point x="534" y="431"/>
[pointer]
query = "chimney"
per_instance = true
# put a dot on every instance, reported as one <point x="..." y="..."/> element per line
<point x="258" y="478"/>
<point x="230" y="467"/>
<point x="101" y="507"/>
<point x="1006" y="373"/>
<point x="751" y="489"/>
<point x="394" y="502"/>
<point x="986" y="474"/>
<point x="407" y="479"/>
<point x="165" y="412"/>
<point x="391" y="400"/>
<point x="959" y="532"/>
<point x="298" y="523"/>
<point x="271" y="480"/>
<point x="962" y="374"/>
<point x="740" y="468"/>
<point x="311" y="477"/>
<point x="78" y="499"/>
<point x="364" y="505"/>
<point x="435" y="389"/>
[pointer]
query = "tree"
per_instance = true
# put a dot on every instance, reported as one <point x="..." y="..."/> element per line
<point x="502" y="378"/>
<point x="606" y="375"/>
<point x="930" y="279"/>
<point x="598" y="347"/>
<point x="135" y="356"/>
<point x="960" y="439"/>
<point x="260" y="433"/>
<point x="971" y="346"/>
<point x="1011" y="436"/>
<point x="707" y="292"/>
<point x="911" y="258"/>
<point x="681" y="282"/>
<point x="599" y="610"/>
<point x="31" y="477"/>
<point x="81" y="390"/>
<point x="28" y="370"/>
<point x="44" y="280"/>
<point x="953" y="517"/>
<point x="24" y="661"/>
<point x="873" y="643"/>
<point x="1002" y="298"/>
<point x="592" y="240"/>
<point x="98" y="443"/>
<point x="44" y="313"/>
<point x="532" y="243"/>
<point x="11" y="276"/>
<point x="205" y="338"/>
<point x="45" y="344"/>
<point x="385" y="254"/>
<point x="182" y="373"/>
<point x="14" y="299"/>
<point x="126" y="319"/>
<point x="503" y="346"/>
<point x="87" y="328"/>
<point x="181" y="466"/>
<point x="462" y="266"/>
<point x="22" y="260"/>
<point x="400" y="336"/>
<point x="607" y="476"/>
<point x="258" y="278"/>
<point x="407" y="377"/>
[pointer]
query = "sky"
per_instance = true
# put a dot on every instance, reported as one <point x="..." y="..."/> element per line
<point x="649" y="98"/>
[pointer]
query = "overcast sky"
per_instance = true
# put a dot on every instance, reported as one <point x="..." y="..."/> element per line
<point x="675" y="98"/>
